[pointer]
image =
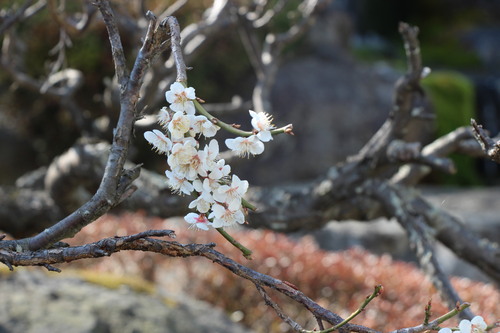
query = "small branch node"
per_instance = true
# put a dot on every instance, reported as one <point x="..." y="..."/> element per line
<point x="51" y="268"/>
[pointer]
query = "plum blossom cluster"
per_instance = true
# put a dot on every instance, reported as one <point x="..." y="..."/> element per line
<point x="198" y="170"/>
<point x="476" y="325"/>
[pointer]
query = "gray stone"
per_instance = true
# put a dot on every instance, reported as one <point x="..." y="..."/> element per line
<point x="34" y="302"/>
<point x="335" y="105"/>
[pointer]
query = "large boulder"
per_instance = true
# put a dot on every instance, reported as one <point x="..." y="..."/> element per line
<point x="335" y="105"/>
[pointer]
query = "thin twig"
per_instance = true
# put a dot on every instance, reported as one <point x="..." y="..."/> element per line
<point x="175" y="37"/>
<point x="434" y="325"/>
<point x="9" y="20"/>
<point x="376" y="292"/>
<point x="427" y="312"/>
<point x="230" y="128"/>
<point x="269" y="302"/>
<point x="247" y="253"/>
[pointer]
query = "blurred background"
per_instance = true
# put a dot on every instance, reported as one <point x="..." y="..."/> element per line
<point x="335" y="84"/>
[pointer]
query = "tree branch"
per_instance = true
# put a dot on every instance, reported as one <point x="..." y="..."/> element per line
<point x="143" y="242"/>
<point x="116" y="43"/>
<point x="113" y="184"/>
<point x="490" y="147"/>
<point x="420" y="237"/>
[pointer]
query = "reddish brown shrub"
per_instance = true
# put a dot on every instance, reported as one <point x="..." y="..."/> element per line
<point x="338" y="281"/>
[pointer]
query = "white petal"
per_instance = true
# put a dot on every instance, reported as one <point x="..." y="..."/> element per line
<point x="191" y="218"/>
<point x="257" y="147"/>
<point x="189" y="107"/>
<point x="190" y="93"/>
<point x="465" y="326"/>
<point x="234" y="205"/>
<point x="177" y="107"/>
<point x="170" y="96"/>
<point x="177" y="87"/>
<point x="159" y="140"/>
<point x="218" y="210"/>
<point x="232" y="144"/>
<point x="264" y="136"/>
<point x="445" y="330"/>
<point x="203" y="226"/>
<point x="479" y="322"/>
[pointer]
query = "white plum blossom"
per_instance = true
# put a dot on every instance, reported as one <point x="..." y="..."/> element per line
<point x="160" y="142"/>
<point x="261" y="122"/>
<point x="179" y="125"/>
<point x="219" y="170"/>
<point x="164" y="117"/>
<point x="199" y="221"/>
<point x="198" y="163"/>
<point x="203" y="203"/>
<point x="199" y="171"/>
<point x="232" y="194"/>
<point x="212" y="151"/>
<point x="178" y="184"/>
<point x="181" y="98"/>
<point x="245" y="146"/>
<point x="201" y="124"/>
<point x="476" y="325"/>
<point x="182" y="153"/>
<point x="223" y="217"/>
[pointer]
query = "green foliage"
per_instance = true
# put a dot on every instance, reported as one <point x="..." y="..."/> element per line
<point x="448" y="51"/>
<point x="87" y="53"/>
<point x="452" y="96"/>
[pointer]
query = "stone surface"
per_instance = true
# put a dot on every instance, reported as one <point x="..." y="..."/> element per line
<point x="34" y="302"/>
<point x="335" y="105"/>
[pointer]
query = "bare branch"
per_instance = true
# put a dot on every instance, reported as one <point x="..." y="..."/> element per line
<point x="412" y="48"/>
<point x="25" y="10"/>
<point x="410" y="152"/>
<point x="143" y="242"/>
<point x="114" y="182"/>
<point x="175" y="40"/>
<point x="71" y="25"/>
<point x="269" y="302"/>
<point x="433" y="325"/>
<point x="490" y="147"/>
<point x="116" y="44"/>
<point x="420" y="236"/>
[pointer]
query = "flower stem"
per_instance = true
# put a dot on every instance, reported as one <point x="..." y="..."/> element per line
<point x="285" y="129"/>
<point x="248" y="205"/>
<point x="246" y="252"/>
<point x="376" y="292"/>
<point x="428" y="312"/>
<point x="452" y="313"/>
